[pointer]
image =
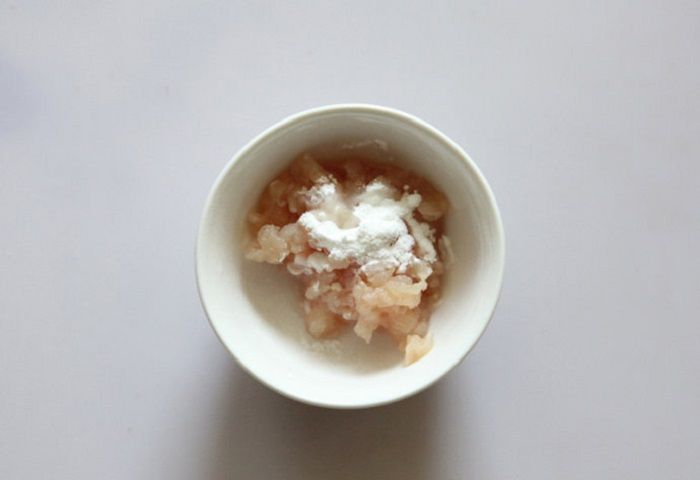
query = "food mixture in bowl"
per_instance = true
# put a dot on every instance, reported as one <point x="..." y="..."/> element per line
<point x="366" y="241"/>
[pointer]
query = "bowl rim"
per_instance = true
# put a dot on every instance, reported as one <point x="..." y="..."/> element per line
<point x="352" y="108"/>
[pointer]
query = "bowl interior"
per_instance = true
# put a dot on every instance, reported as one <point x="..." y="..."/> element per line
<point x="255" y="308"/>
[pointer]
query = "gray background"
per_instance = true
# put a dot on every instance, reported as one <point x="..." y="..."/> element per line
<point x="115" y="118"/>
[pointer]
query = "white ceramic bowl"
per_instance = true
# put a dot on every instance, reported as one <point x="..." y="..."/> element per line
<point x="255" y="308"/>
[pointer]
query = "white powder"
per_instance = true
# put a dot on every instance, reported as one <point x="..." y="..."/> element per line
<point x="372" y="226"/>
<point x="319" y="193"/>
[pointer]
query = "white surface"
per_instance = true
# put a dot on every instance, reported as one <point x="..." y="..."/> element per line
<point x="114" y="121"/>
<point x="241" y="296"/>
